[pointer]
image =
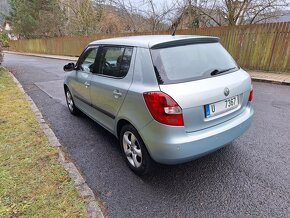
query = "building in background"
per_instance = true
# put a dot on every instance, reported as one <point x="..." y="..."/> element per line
<point x="6" y="28"/>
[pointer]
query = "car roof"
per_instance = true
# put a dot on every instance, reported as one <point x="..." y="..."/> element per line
<point x="156" y="41"/>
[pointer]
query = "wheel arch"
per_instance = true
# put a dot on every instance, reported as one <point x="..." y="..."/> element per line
<point x="147" y="155"/>
<point x="122" y="122"/>
<point x="65" y="87"/>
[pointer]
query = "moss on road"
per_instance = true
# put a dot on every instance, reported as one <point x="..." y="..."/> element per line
<point x="32" y="182"/>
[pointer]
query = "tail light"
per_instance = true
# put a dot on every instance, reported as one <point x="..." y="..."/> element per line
<point x="251" y="95"/>
<point x="163" y="108"/>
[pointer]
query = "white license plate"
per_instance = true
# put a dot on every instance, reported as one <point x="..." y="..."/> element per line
<point x="220" y="107"/>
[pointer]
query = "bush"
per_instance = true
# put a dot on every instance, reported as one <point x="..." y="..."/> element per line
<point x="5" y="39"/>
<point x="1" y="53"/>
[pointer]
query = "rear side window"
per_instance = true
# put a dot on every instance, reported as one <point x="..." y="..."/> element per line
<point x="115" y="61"/>
<point x="190" y="62"/>
<point x="125" y="62"/>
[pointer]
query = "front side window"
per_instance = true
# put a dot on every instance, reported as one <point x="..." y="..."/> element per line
<point x="190" y="62"/>
<point x="88" y="61"/>
<point x="115" y="61"/>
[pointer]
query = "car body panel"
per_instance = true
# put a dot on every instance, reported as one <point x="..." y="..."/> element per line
<point x="76" y="81"/>
<point x="134" y="109"/>
<point x="151" y="41"/>
<point x="193" y="96"/>
<point x="172" y="145"/>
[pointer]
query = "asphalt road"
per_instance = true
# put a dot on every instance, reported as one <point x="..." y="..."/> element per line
<point x="249" y="177"/>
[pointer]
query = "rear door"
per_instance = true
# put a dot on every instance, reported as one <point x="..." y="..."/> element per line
<point x="110" y="83"/>
<point x="204" y="80"/>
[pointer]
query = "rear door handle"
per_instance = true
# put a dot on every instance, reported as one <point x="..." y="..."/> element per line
<point x="117" y="93"/>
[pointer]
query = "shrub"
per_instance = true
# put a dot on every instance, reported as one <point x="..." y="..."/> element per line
<point x="1" y="53"/>
<point x="5" y="39"/>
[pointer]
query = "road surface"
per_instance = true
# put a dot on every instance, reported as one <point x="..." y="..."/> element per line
<point x="249" y="177"/>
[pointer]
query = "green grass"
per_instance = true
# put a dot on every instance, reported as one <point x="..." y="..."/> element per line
<point x="32" y="182"/>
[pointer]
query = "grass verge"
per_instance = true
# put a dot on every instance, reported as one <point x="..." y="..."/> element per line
<point x="32" y="182"/>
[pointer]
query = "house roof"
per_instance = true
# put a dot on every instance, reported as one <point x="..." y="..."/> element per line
<point x="156" y="41"/>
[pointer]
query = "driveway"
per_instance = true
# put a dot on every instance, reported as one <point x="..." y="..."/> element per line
<point x="249" y="177"/>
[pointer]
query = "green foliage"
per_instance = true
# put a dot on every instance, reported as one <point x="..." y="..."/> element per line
<point x="1" y="54"/>
<point x="36" y="18"/>
<point x="4" y="39"/>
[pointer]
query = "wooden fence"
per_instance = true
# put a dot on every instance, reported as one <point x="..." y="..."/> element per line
<point x="257" y="47"/>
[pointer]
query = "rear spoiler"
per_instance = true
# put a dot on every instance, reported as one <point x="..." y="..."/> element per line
<point x="186" y="41"/>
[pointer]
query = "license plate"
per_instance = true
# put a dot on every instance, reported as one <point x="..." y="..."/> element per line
<point x="220" y="107"/>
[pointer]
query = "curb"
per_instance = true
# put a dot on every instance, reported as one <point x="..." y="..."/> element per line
<point x="92" y="208"/>
<point x="271" y="81"/>
<point x="43" y="56"/>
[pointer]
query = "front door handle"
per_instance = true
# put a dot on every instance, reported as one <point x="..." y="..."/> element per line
<point x="87" y="84"/>
<point x="117" y="93"/>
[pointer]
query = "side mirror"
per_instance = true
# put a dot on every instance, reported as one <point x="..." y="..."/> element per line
<point x="69" y="67"/>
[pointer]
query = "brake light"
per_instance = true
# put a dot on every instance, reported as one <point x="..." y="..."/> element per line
<point x="163" y="108"/>
<point x="251" y="95"/>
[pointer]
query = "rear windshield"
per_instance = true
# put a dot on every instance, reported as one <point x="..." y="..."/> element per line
<point x="191" y="62"/>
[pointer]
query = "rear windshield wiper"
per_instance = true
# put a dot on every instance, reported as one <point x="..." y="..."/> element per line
<point x="217" y="72"/>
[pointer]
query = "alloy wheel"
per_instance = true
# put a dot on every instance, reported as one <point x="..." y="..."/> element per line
<point x="69" y="100"/>
<point x="132" y="149"/>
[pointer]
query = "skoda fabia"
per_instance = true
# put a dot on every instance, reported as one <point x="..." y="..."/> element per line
<point x="168" y="99"/>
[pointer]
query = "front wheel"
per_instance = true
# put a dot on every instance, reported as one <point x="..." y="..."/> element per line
<point x="134" y="151"/>
<point x="70" y="102"/>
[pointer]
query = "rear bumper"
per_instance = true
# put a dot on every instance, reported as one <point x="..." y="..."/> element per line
<point x="172" y="145"/>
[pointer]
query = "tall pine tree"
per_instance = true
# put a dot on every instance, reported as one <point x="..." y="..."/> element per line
<point x="36" y="18"/>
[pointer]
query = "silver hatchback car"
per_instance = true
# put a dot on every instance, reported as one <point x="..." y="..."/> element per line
<point x="168" y="99"/>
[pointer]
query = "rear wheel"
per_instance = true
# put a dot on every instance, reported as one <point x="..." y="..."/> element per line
<point x="70" y="102"/>
<point x="134" y="151"/>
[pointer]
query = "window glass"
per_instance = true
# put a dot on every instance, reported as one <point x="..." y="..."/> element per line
<point x="125" y="62"/>
<point x="115" y="61"/>
<point x="190" y="62"/>
<point x="87" y="64"/>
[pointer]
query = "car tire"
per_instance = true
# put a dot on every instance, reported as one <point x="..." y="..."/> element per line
<point x="70" y="103"/>
<point x="135" y="151"/>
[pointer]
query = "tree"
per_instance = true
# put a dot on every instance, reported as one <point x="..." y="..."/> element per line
<point x="236" y="12"/>
<point x="159" y="14"/>
<point x="4" y="8"/>
<point x="129" y="14"/>
<point x="187" y="16"/>
<point x="147" y="15"/>
<point x="83" y="16"/>
<point x="36" y="18"/>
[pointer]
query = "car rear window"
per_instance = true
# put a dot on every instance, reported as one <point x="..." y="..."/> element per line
<point x="190" y="62"/>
